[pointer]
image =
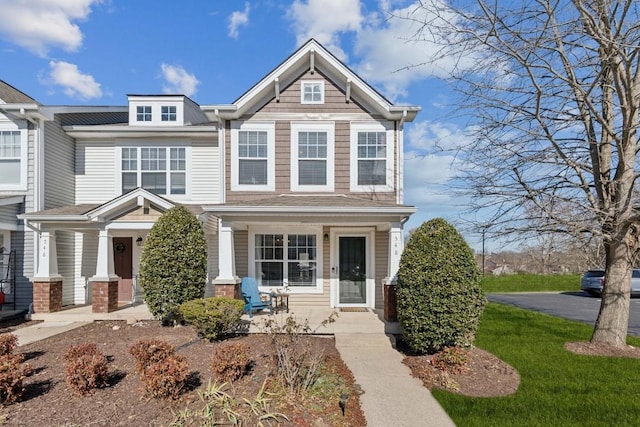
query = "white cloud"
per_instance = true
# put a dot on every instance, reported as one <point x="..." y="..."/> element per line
<point x="238" y="19"/>
<point x="427" y="136"/>
<point x="324" y="20"/>
<point x="75" y="83"/>
<point x="178" y="80"/>
<point x="39" y="25"/>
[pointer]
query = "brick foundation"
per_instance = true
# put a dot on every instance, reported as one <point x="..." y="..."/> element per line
<point x="390" y="306"/>
<point x="104" y="296"/>
<point x="231" y="290"/>
<point x="47" y="296"/>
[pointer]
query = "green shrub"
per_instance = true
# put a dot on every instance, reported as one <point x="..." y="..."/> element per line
<point x="166" y="379"/>
<point x="12" y="375"/>
<point x="214" y="318"/>
<point x="439" y="297"/>
<point x="7" y="343"/>
<point x="146" y="352"/>
<point x="230" y="361"/>
<point x="86" y="368"/>
<point x="173" y="263"/>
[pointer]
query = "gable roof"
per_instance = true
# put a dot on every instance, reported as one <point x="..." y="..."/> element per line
<point x="11" y="95"/>
<point x="310" y="56"/>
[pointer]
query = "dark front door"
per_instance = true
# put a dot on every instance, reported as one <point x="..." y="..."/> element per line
<point x="353" y="270"/>
<point x="123" y="265"/>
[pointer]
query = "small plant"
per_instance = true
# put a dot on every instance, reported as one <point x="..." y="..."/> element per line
<point x="214" y="318"/>
<point x="7" y="343"/>
<point x="85" y="368"/>
<point x="298" y="360"/>
<point x="454" y="360"/>
<point x="230" y="361"/>
<point x="12" y="375"/>
<point x="167" y="378"/>
<point x="149" y="351"/>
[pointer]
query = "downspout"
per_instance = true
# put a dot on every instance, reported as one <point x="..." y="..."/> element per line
<point x="222" y="143"/>
<point x="400" y="160"/>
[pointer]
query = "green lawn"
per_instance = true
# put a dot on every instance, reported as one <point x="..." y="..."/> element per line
<point x="531" y="283"/>
<point x="557" y="388"/>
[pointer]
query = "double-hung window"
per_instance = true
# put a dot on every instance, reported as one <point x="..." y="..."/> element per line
<point x="161" y="170"/>
<point x="291" y="260"/>
<point x="252" y="156"/>
<point x="143" y="113"/>
<point x="13" y="159"/>
<point x="372" y="154"/>
<point x="312" y="92"/>
<point x="312" y="151"/>
<point x="168" y="113"/>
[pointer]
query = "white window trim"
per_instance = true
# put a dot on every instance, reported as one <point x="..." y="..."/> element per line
<point x="322" y="91"/>
<point x="270" y="128"/>
<point x="317" y="231"/>
<point x="329" y="128"/>
<point x="24" y="157"/>
<point x="155" y="144"/>
<point x="390" y="169"/>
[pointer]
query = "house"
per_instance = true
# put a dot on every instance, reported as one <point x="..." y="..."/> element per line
<point x="298" y="183"/>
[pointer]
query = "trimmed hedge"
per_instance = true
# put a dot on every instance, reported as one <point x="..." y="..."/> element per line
<point x="214" y="318"/>
<point x="173" y="263"/>
<point x="439" y="297"/>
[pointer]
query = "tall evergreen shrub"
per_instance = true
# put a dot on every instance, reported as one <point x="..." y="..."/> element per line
<point x="439" y="297"/>
<point x="173" y="263"/>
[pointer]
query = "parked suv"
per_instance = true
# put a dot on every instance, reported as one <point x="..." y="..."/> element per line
<point x="593" y="280"/>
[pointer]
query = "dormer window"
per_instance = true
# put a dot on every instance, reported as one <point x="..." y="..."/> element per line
<point x="312" y="92"/>
<point x="168" y="113"/>
<point x="143" y="113"/>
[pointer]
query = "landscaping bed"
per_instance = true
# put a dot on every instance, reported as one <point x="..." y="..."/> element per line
<point x="48" y="400"/>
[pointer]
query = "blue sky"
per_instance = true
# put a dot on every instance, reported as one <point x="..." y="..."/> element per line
<point x="69" y="52"/>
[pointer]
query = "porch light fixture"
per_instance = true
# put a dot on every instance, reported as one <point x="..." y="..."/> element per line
<point x="139" y="241"/>
<point x="326" y="237"/>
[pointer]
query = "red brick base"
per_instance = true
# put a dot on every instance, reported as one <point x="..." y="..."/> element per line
<point x="104" y="296"/>
<point x="390" y="306"/>
<point x="47" y="296"/>
<point x="231" y="290"/>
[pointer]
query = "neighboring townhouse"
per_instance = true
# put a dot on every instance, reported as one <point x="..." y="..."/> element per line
<point x="298" y="183"/>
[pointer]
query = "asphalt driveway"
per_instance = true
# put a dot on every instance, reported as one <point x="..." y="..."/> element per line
<point x="569" y="305"/>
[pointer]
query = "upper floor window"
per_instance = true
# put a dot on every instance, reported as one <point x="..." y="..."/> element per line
<point x="312" y="148"/>
<point x="168" y="113"/>
<point x="371" y="157"/>
<point x="312" y="92"/>
<point x="161" y="170"/>
<point x="252" y="157"/>
<point x="143" y="113"/>
<point x="13" y="159"/>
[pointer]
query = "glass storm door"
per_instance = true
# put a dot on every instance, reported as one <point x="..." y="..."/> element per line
<point x="353" y="270"/>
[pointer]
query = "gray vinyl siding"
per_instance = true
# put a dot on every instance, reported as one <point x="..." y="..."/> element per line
<point x="8" y="214"/>
<point x="205" y="172"/>
<point x="241" y="249"/>
<point x="86" y="255"/>
<point x="59" y="180"/>
<point x="65" y="249"/>
<point x="382" y="265"/>
<point x="22" y="243"/>
<point x="95" y="171"/>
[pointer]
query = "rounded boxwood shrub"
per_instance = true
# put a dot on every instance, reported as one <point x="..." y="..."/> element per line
<point x="439" y="297"/>
<point x="214" y="318"/>
<point x="173" y="263"/>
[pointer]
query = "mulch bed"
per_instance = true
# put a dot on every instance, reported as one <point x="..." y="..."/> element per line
<point x="49" y="401"/>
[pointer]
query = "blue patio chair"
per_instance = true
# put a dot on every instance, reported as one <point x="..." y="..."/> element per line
<point x="252" y="297"/>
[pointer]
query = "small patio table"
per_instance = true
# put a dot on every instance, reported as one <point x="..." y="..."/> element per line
<point x="280" y="301"/>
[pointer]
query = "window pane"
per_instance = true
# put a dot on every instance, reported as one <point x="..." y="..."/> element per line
<point x="129" y="181"/>
<point x="178" y="183"/>
<point x="252" y="172"/>
<point x="302" y="266"/>
<point x="178" y="161"/>
<point x="10" y="144"/>
<point x="155" y="182"/>
<point x="372" y="172"/>
<point x="9" y="171"/>
<point x="312" y="172"/>
<point x="372" y="145"/>
<point x="269" y="273"/>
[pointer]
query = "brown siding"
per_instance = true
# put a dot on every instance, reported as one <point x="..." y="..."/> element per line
<point x="241" y="249"/>
<point x="382" y="264"/>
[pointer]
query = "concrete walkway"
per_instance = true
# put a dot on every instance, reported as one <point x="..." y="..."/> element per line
<point x="392" y="397"/>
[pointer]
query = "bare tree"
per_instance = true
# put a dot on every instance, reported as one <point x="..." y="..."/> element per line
<point x="553" y="90"/>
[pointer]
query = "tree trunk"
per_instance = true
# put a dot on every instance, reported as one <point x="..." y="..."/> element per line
<point x="613" y="318"/>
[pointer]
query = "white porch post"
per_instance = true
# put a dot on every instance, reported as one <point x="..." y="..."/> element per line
<point x="105" y="270"/>
<point x="396" y="246"/>
<point x="226" y="254"/>
<point x="47" y="256"/>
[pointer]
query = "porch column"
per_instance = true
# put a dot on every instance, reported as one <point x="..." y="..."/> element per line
<point x="47" y="283"/>
<point x="396" y="246"/>
<point x="227" y="283"/>
<point x="104" y="284"/>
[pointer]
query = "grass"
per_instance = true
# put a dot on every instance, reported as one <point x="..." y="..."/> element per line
<point x="557" y="387"/>
<point x="531" y="283"/>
